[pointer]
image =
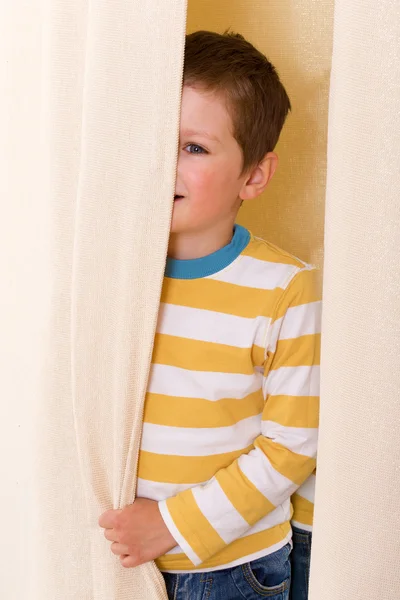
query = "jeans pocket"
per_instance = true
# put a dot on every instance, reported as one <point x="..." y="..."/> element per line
<point x="268" y="577"/>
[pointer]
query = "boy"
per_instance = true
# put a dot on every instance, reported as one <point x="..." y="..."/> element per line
<point x="231" y="412"/>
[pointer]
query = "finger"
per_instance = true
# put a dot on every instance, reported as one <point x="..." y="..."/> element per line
<point x="107" y="519"/>
<point x="119" y="549"/>
<point x="111" y="535"/>
<point x="129" y="561"/>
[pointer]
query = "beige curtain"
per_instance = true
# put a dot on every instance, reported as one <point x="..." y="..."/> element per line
<point x="88" y="128"/>
<point x="356" y="551"/>
<point x="86" y="206"/>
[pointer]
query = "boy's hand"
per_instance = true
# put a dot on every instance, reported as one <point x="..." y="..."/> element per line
<point x="138" y="532"/>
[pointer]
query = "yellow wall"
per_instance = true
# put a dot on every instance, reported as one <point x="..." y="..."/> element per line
<point x="297" y="38"/>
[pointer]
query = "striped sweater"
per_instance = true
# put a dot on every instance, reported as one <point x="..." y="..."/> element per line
<point x="231" y="411"/>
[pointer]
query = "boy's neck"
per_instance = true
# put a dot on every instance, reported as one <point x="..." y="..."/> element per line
<point x="197" y="244"/>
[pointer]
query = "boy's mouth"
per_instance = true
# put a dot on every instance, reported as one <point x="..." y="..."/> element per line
<point x="177" y="197"/>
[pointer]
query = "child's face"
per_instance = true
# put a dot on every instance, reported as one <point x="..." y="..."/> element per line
<point x="209" y="175"/>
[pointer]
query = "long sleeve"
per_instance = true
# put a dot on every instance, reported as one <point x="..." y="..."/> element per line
<point x="207" y="517"/>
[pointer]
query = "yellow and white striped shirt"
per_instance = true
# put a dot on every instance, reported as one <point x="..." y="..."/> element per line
<point x="231" y="412"/>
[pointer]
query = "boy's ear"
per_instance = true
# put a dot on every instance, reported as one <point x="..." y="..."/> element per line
<point x="258" y="178"/>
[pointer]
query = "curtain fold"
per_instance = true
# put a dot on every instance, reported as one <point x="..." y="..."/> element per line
<point x="107" y="101"/>
<point x="356" y="547"/>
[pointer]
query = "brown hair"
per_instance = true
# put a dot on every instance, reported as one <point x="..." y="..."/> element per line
<point x="256" y="98"/>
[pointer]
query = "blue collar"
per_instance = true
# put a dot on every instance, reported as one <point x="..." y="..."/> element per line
<point x="208" y="265"/>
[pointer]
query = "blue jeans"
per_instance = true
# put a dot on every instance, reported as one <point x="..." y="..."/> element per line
<point x="267" y="577"/>
<point x="300" y="559"/>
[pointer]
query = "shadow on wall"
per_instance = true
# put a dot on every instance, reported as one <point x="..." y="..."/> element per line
<point x="297" y="39"/>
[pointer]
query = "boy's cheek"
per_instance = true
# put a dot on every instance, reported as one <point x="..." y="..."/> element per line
<point x="211" y="182"/>
<point x="200" y="175"/>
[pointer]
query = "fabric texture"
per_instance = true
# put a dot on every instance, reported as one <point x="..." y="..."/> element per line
<point x="110" y="86"/>
<point x="231" y="413"/>
<point x="356" y="546"/>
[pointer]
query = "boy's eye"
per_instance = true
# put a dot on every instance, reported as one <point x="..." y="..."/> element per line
<point x="195" y="149"/>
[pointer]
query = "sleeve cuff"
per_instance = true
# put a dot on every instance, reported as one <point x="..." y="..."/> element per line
<point x="174" y="531"/>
